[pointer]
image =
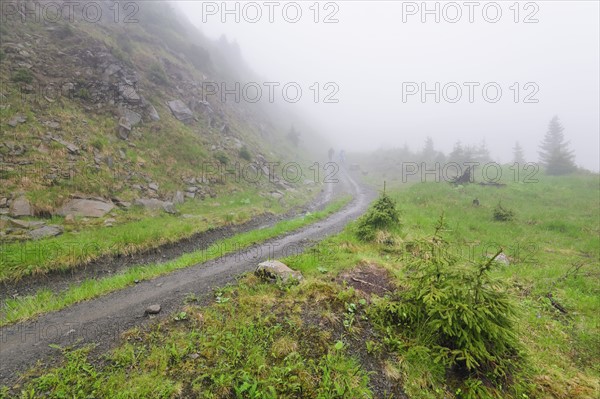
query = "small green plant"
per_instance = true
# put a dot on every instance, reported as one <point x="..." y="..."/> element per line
<point x="380" y="216"/>
<point x="502" y="214"/>
<point x="460" y="312"/>
<point x="157" y="74"/>
<point x="98" y="144"/>
<point x="222" y="158"/>
<point x="219" y="298"/>
<point x="245" y="154"/>
<point x="181" y="316"/>
<point x="22" y="75"/>
<point x="83" y="93"/>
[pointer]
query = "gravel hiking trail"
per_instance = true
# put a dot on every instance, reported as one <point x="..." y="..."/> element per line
<point x="101" y="321"/>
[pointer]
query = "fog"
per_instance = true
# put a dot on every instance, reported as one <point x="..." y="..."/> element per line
<point x="377" y="52"/>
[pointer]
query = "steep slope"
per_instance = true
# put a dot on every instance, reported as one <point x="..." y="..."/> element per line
<point x="126" y="110"/>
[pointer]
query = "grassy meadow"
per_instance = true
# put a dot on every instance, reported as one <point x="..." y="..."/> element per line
<point x="396" y="315"/>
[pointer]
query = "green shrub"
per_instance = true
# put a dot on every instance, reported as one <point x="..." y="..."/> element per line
<point x="157" y="74"/>
<point x="460" y="312"/>
<point x="22" y="75"/>
<point x="381" y="215"/>
<point x="222" y="158"/>
<point x="83" y="93"/>
<point x="245" y="154"/>
<point x="502" y="214"/>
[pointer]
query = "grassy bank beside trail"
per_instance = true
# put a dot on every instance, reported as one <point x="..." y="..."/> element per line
<point x="23" y="308"/>
<point x="417" y="307"/>
<point x="132" y="231"/>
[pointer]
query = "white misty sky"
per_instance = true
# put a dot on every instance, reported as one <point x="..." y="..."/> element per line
<point x="370" y="52"/>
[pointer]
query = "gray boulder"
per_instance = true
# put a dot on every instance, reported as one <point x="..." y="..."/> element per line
<point x="152" y="113"/>
<point x="180" y="111"/>
<point x="20" y="207"/>
<point x="16" y="120"/>
<point x="155" y="204"/>
<point x="129" y="94"/>
<point x="274" y="270"/>
<point x="86" y="208"/>
<point x="153" y="309"/>
<point x="129" y="118"/>
<point x="45" y="232"/>
<point x="178" y="198"/>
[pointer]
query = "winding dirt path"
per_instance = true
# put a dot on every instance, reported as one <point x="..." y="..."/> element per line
<point x="102" y="320"/>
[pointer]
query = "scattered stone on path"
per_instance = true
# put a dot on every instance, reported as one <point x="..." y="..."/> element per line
<point x="153" y="309"/>
<point x="274" y="269"/>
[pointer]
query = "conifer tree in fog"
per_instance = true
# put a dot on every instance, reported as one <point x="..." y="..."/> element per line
<point x="518" y="156"/>
<point x="555" y="155"/>
<point x="294" y="136"/>
<point x="429" y="153"/>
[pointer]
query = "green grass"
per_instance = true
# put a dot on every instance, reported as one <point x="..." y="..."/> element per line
<point x="45" y="300"/>
<point x="324" y="339"/>
<point x="134" y="230"/>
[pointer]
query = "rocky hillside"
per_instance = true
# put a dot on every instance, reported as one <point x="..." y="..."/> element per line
<point x="98" y="115"/>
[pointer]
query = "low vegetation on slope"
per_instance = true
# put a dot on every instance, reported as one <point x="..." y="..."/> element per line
<point x="117" y="114"/>
<point x="453" y="303"/>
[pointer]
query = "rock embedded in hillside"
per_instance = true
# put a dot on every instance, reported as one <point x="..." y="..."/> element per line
<point x="86" y="208"/>
<point x="23" y="224"/>
<point x="153" y="186"/>
<point x="152" y="113"/>
<point x="129" y="94"/>
<point x="180" y="111"/>
<point x="45" y="232"/>
<point x="152" y="309"/>
<point x="15" y="120"/>
<point x="155" y="204"/>
<point x="3" y="202"/>
<point x="178" y="198"/>
<point x="274" y="270"/>
<point x="72" y="148"/>
<point x="20" y="206"/>
<point x="129" y="119"/>
<point x="52" y="125"/>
